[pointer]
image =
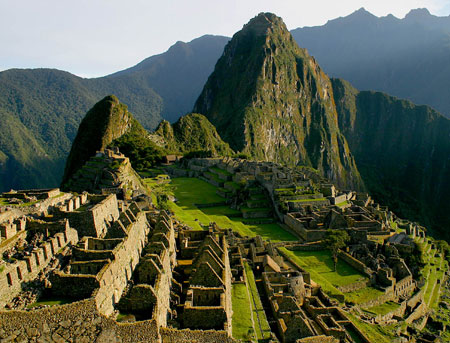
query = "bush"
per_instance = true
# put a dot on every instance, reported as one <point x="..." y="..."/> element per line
<point x="199" y="154"/>
<point x="242" y="156"/>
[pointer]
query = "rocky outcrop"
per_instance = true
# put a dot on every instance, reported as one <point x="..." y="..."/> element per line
<point x="192" y="132"/>
<point x="271" y="100"/>
<point x="106" y="121"/>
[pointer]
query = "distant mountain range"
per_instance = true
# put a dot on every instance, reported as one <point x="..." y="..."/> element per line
<point x="407" y="58"/>
<point x="42" y="108"/>
<point x="270" y="100"/>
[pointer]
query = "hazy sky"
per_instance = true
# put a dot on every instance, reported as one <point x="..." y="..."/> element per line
<point x="97" y="37"/>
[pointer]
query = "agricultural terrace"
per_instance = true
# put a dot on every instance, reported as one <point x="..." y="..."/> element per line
<point x="193" y="194"/>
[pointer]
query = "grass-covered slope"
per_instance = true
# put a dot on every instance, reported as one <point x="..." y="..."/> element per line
<point x="402" y="151"/>
<point x="192" y="132"/>
<point x="270" y="99"/>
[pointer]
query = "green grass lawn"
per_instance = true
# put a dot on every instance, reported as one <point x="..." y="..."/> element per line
<point x="375" y="333"/>
<point x="214" y="177"/>
<point x="262" y="327"/>
<point x="383" y="308"/>
<point x="320" y="265"/>
<point x="50" y="302"/>
<point x="191" y="191"/>
<point x="321" y="262"/>
<point x="242" y="313"/>
<point x="5" y="202"/>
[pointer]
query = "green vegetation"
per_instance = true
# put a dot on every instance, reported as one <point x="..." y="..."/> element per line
<point x="192" y="133"/>
<point x="409" y="189"/>
<point x="191" y="192"/>
<point x="335" y="240"/>
<point x="41" y="109"/>
<point x="50" y="301"/>
<point x="107" y="121"/>
<point x="321" y="267"/>
<point x="344" y="203"/>
<point x="162" y="192"/>
<point x="221" y="171"/>
<point x="375" y="333"/>
<point x="434" y="270"/>
<point x="142" y="152"/>
<point x="238" y="106"/>
<point x="5" y="201"/>
<point x="383" y="308"/>
<point x="259" y="317"/>
<point x="242" y="313"/>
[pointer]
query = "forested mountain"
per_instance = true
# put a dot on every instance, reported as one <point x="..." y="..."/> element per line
<point x="42" y="108"/>
<point x="408" y="58"/>
<point x="268" y="98"/>
<point x="402" y="151"/>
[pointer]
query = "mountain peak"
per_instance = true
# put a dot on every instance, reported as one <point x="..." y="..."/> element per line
<point x="362" y="13"/>
<point x="269" y="99"/>
<point x="418" y="14"/>
<point x="262" y="22"/>
<point x="109" y="119"/>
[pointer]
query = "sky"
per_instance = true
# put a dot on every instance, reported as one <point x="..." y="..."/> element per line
<point x="92" y="38"/>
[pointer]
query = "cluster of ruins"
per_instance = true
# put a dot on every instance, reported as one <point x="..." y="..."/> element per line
<point x="111" y="254"/>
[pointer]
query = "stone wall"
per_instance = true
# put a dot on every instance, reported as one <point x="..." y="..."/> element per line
<point x="305" y="274"/>
<point x="309" y="235"/>
<point x="27" y="269"/>
<point x="296" y="205"/>
<point x="114" y="279"/>
<point x="198" y="336"/>
<point x="354" y="286"/>
<point x="358" y="265"/>
<point x="93" y="221"/>
<point x="75" y="322"/>
<point x="107" y="285"/>
<point x="399" y="312"/>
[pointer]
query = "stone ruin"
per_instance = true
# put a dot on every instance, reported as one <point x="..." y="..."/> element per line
<point x="309" y="205"/>
<point x="131" y="273"/>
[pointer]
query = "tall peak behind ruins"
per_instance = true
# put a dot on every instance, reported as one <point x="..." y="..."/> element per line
<point x="106" y="121"/>
<point x="268" y="98"/>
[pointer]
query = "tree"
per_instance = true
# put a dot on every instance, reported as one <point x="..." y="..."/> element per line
<point x="335" y="240"/>
<point x="163" y="191"/>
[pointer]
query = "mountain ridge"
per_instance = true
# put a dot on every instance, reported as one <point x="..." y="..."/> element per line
<point x="268" y="98"/>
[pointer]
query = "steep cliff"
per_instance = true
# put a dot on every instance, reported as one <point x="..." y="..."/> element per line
<point x="270" y="99"/>
<point x="192" y="132"/>
<point x="106" y="121"/>
<point x="402" y="151"/>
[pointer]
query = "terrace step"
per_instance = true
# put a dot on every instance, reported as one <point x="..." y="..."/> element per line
<point x="225" y="193"/>
<point x="257" y="221"/>
<point x="208" y="177"/>
<point x="232" y="186"/>
<point x="262" y="203"/>
<point x="221" y="174"/>
<point x="256" y="212"/>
